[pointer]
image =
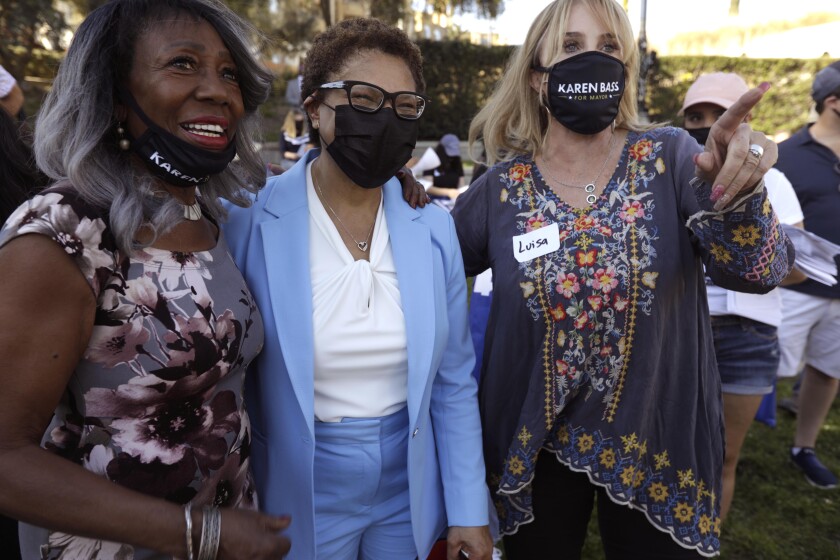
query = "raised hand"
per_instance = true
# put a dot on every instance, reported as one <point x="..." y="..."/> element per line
<point x="736" y="157"/>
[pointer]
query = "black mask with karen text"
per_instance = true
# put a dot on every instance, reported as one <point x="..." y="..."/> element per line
<point x="172" y="159"/>
<point x="584" y="91"/>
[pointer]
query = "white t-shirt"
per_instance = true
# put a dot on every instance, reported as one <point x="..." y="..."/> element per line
<point x="361" y="362"/>
<point x="766" y="308"/>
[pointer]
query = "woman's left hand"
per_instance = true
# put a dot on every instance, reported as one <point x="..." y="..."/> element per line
<point x="474" y="541"/>
<point x="413" y="191"/>
<point x="736" y="157"/>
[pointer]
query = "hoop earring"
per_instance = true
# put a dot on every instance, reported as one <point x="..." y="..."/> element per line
<point x="123" y="143"/>
<point x="613" y="127"/>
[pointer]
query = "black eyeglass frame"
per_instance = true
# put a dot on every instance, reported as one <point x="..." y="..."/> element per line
<point x="347" y="85"/>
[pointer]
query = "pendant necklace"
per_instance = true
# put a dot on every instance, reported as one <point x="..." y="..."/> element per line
<point x="589" y="187"/>
<point x="362" y="245"/>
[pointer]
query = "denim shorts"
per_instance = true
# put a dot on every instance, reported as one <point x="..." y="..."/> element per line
<point x="747" y="355"/>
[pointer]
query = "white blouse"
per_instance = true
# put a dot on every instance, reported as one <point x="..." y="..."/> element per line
<point x="361" y="364"/>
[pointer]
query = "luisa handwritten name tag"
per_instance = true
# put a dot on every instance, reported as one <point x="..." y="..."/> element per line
<point x="537" y="243"/>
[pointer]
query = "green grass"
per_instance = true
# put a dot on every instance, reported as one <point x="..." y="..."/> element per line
<point x="776" y="514"/>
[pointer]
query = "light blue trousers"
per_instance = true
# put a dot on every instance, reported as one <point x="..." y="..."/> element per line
<point x="361" y="489"/>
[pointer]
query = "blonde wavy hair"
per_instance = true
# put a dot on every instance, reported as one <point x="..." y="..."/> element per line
<point x="514" y="121"/>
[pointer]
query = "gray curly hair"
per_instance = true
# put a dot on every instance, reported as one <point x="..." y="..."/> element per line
<point x="75" y="133"/>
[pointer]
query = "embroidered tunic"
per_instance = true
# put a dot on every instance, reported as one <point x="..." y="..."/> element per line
<point x="156" y="402"/>
<point x="601" y="351"/>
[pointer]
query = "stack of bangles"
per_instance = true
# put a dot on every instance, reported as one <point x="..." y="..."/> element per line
<point x="211" y="530"/>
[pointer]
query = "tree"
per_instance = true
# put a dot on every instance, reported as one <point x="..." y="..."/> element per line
<point x="734" y="7"/>
<point x="484" y="8"/>
<point x="393" y="10"/>
<point x="24" y="24"/>
<point x="289" y="27"/>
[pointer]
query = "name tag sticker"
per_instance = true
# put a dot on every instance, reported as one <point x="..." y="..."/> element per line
<point x="536" y="243"/>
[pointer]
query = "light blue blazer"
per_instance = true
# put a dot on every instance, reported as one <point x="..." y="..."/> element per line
<point x="270" y="244"/>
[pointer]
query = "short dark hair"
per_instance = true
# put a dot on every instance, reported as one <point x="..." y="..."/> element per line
<point x="334" y="47"/>
<point x="820" y="105"/>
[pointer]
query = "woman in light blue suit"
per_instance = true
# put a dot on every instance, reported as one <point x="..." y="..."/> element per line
<point x="365" y="419"/>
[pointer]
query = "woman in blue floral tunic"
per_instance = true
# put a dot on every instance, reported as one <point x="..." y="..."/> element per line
<point x="599" y="376"/>
<point x="128" y="328"/>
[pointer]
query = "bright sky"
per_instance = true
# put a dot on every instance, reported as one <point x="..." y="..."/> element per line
<point x="665" y="18"/>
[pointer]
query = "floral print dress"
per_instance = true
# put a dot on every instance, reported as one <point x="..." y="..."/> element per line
<point x="156" y="404"/>
<point x="600" y="351"/>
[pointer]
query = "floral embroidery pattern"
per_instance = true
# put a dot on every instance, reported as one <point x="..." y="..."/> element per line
<point x="156" y="404"/>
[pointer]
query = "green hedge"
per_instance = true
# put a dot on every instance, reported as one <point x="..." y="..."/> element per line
<point x="460" y="76"/>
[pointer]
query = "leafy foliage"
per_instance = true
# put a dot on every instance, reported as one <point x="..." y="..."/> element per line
<point x="784" y="109"/>
<point x="484" y="8"/>
<point x="23" y="24"/>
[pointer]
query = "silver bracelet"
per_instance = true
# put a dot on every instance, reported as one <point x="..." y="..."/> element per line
<point x="211" y="530"/>
<point x="188" y="518"/>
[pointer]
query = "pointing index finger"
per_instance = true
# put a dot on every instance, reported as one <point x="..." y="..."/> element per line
<point x="736" y="114"/>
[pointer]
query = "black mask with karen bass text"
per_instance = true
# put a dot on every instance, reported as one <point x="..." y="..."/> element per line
<point x="584" y="91"/>
<point x="371" y="147"/>
<point x="171" y="159"/>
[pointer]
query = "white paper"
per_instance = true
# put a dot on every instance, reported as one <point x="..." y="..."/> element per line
<point x="814" y="255"/>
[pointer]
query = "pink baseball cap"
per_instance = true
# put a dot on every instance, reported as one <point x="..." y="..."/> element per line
<point x="719" y="88"/>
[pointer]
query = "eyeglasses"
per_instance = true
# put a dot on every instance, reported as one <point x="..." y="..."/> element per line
<point x="368" y="98"/>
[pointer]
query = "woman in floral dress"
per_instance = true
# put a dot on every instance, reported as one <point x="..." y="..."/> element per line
<point x="127" y="326"/>
<point x="598" y="376"/>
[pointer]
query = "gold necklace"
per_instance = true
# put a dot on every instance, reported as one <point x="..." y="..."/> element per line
<point x="588" y="187"/>
<point x="362" y="245"/>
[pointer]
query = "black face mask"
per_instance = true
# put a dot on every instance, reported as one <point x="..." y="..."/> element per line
<point x="371" y="147"/>
<point x="174" y="160"/>
<point x="699" y="134"/>
<point x="584" y="91"/>
<point x="298" y="129"/>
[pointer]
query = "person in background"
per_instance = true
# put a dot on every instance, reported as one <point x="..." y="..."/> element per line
<point x="127" y="437"/>
<point x="744" y="325"/>
<point x="810" y="328"/>
<point x="19" y="179"/>
<point x="11" y="96"/>
<point x="599" y="379"/>
<point x="294" y="138"/>
<point x="366" y="423"/>
<point x="19" y="176"/>
<point x="293" y="88"/>
<point x="448" y="177"/>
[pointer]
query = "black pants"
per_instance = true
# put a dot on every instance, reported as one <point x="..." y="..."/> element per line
<point x="563" y="502"/>
<point x="9" y="548"/>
